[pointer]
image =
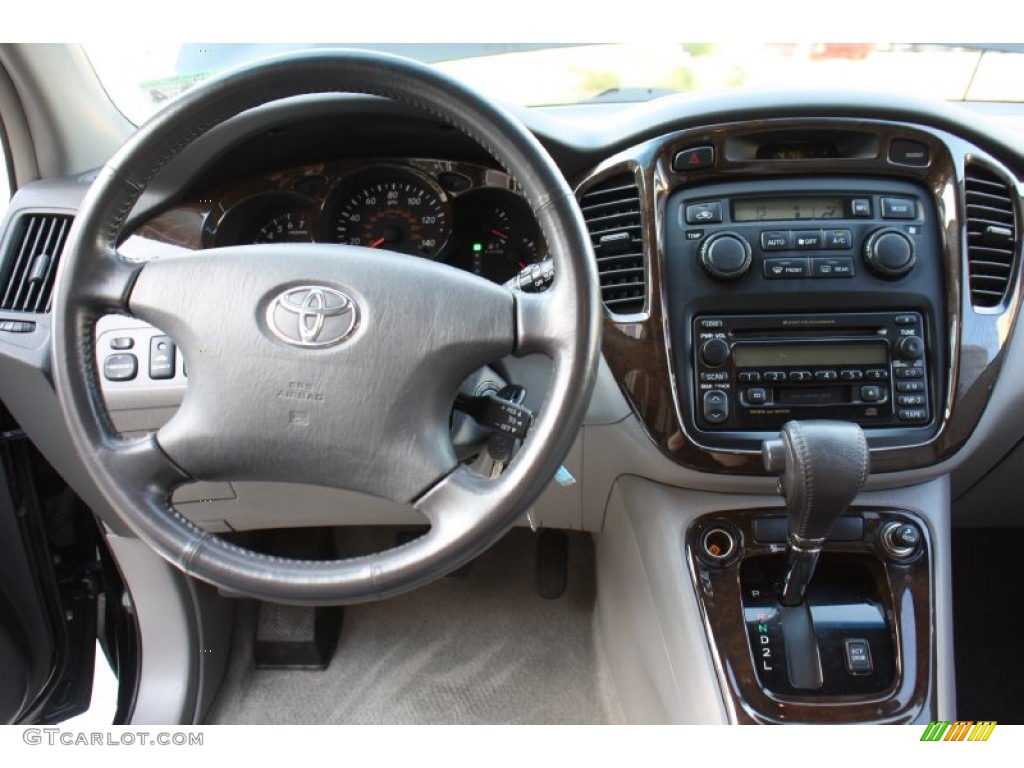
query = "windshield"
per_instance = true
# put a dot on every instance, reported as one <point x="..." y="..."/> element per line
<point x="141" y="78"/>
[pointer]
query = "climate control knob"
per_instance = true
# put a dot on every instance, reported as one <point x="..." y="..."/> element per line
<point x="889" y="253"/>
<point x="726" y="256"/>
<point x="714" y="352"/>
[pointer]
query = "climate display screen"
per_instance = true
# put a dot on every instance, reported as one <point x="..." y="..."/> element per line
<point x="781" y="355"/>
<point x="788" y="209"/>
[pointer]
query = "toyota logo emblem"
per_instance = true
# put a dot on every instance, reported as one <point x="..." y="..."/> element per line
<point x="312" y="316"/>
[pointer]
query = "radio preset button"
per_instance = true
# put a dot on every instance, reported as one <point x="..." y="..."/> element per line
<point x="786" y="269"/>
<point x="872" y="393"/>
<point x="704" y="213"/>
<point x="714" y="352"/>
<point x="799" y="375"/>
<point x="716" y="406"/>
<point x="777" y="240"/>
<point x="851" y="375"/>
<point x="749" y="376"/>
<point x="877" y="374"/>
<point x="910" y="386"/>
<point x="838" y="239"/>
<point x="910" y="373"/>
<point x="775" y="376"/>
<point x="826" y="375"/>
<point x="757" y="396"/>
<point x="807" y="240"/>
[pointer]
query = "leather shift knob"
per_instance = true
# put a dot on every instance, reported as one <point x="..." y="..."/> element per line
<point x="824" y="465"/>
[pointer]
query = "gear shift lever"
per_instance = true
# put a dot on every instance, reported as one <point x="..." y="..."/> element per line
<point x="823" y="465"/>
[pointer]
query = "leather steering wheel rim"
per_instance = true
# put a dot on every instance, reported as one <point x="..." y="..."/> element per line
<point x="467" y="512"/>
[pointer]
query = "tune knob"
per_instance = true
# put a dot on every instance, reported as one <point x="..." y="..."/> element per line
<point x="889" y="253"/>
<point x="725" y="256"/>
<point x="714" y="352"/>
<point x="910" y="348"/>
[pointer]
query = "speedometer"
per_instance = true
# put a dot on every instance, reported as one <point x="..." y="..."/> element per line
<point x="394" y="209"/>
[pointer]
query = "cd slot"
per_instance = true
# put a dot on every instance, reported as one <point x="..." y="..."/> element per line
<point x="830" y="331"/>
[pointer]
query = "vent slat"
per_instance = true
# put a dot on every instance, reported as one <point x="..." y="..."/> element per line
<point x="992" y="235"/>
<point x="614" y="218"/>
<point x="32" y="259"/>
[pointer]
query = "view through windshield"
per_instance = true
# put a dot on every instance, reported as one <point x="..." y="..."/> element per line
<point x="140" y="78"/>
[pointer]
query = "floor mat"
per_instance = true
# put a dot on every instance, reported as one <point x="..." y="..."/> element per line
<point x="483" y="648"/>
<point x="988" y="615"/>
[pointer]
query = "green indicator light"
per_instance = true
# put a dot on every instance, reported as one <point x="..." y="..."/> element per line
<point x="477" y="247"/>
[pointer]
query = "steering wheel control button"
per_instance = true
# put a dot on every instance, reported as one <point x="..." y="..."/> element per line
<point x="898" y="208"/>
<point x="907" y="152"/>
<point x="726" y="256"/>
<point x="716" y="406"/>
<point x="858" y="656"/>
<point x="312" y="316"/>
<point x="122" y="342"/>
<point x="162" y="356"/>
<point x="889" y="253"/>
<point x="777" y="240"/>
<point x="123" y="367"/>
<point x="714" y="352"/>
<point x="704" y="213"/>
<point x="786" y="269"/>
<point x="694" y="159"/>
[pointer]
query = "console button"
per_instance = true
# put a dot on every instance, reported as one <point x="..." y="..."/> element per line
<point x="910" y="386"/>
<point x="898" y="208"/>
<point x="716" y="406"/>
<point x="749" y="376"/>
<point x="807" y="240"/>
<point x="910" y="373"/>
<point x="161" y="357"/>
<point x="799" y="375"/>
<point x="838" y="239"/>
<point x="913" y="414"/>
<point x="714" y="376"/>
<point x="861" y="208"/>
<point x="904" y="319"/>
<point x="775" y="376"/>
<point x="122" y="342"/>
<point x="908" y="152"/>
<point x="858" y="656"/>
<point x="910" y="400"/>
<point x="120" y="367"/>
<point x="693" y="159"/>
<point x="877" y="374"/>
<point x="777" y="240"/>
<point x="704" y="213"/>
<point x="871" y="393"/>
<point x="851" y="375"/>
<point x="826" y="267"/>
<point x="784" y="269"/>
<point x="826" y="375"/>
<point x="757" y="396"/>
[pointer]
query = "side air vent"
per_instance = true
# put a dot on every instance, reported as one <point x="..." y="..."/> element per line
<point x="612" y="213"/>
<point x="31" y="263"/>
<point x="991" y="235"/>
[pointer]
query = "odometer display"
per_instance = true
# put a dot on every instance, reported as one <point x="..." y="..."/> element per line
<point x="392" y="209"/>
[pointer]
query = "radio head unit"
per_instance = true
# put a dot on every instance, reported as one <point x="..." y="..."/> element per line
<point x="760" y="371"/>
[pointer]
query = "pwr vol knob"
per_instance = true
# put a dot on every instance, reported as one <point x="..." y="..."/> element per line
<point x="725" y="256"/>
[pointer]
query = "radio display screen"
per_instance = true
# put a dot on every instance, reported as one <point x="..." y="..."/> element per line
<point x="788" y="209"/>
<point x="780" y="355"/>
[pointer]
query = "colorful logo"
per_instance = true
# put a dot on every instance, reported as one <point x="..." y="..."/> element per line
<point x="961" y="730"/>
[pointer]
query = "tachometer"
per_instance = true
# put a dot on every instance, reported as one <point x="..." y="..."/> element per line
<point x="286" y="227"/>
<point x="498" y="234"/>
<point x="391" y="208"/>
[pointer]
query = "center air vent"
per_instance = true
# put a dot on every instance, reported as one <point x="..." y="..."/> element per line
<point x="613" y="215"/>
<point x="991" y="235"/>
<point x="31" y="263"/>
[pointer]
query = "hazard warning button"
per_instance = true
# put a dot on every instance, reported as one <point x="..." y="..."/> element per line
<point x="694" y="159"/>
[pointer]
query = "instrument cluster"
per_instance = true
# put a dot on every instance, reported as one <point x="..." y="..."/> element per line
<point x="469" y="216"/>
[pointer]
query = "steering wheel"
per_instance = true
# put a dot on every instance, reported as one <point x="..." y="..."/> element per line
<point x="331" y="365"/>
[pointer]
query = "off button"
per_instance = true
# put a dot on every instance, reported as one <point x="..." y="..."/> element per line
<point x="716" y="406"/>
